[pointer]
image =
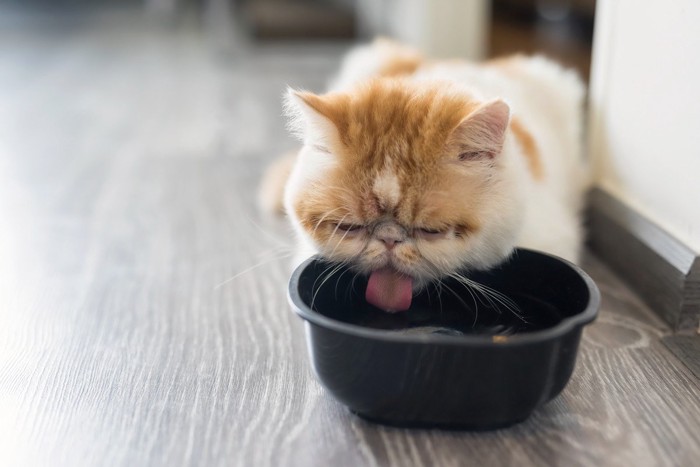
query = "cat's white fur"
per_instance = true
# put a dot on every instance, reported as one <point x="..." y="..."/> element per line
<point x="541" y="214"/>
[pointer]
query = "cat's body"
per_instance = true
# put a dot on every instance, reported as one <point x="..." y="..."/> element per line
<point x="412" y="170"/>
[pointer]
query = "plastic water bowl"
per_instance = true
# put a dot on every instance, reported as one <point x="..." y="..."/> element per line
<point x="459" y="357"/>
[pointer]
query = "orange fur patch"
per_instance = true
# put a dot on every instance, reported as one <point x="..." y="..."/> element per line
<point x="400" y="66"/>
<point x="403" y="127"/>
<point x="529" y="148"/>
<point x="509" y="64"/>
<point x="401" y="60"/>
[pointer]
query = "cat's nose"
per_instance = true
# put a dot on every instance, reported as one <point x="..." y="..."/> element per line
<point x="390" y="242"/>
<point x="390" y="234"/>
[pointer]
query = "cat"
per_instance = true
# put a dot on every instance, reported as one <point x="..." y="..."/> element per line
<point x="414" y="169"/>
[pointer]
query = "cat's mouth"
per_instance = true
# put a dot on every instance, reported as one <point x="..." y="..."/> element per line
<point x="389" y="290"/>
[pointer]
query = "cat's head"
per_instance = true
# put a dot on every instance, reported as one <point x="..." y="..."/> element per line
<point x="402" y="176"/>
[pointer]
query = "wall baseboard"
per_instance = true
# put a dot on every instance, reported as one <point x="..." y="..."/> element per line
<point x="658" y="267"/>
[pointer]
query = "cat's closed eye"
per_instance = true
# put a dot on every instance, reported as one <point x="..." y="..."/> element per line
<point x="349" y="227"/>
<point x="429" y="233"/>
<point x="474" y="155"/>
<point x="322" y="149"/>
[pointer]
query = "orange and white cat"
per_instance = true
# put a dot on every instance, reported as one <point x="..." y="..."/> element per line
<point x="411" y="169"/>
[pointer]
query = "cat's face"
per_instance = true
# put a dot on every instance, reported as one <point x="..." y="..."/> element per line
<point x="404" y="176"/>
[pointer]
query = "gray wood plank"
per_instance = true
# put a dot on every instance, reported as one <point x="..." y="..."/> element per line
<point x="687" y="349"/>
<point x="143" y="318"/>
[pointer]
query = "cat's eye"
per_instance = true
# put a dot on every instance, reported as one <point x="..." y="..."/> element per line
<point x="474" y="155"/>
<point x="348" y="227"/>
<point x="322" y="149"/>
<point x="430" y="233"/>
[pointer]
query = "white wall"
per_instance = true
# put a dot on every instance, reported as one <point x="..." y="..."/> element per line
<point x="440" y="28"/>
<point x="645" y="110"/>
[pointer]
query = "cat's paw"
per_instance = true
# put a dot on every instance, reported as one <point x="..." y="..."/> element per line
<point x="271" y="191"/>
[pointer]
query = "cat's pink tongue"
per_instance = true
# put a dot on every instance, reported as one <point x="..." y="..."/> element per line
<point x="389" y="290"/>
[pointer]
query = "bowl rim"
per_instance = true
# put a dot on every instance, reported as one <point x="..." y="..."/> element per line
<point x="565" y="326"/>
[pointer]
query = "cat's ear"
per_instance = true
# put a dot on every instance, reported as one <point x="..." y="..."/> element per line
<point x="312" y="118"/>
<point x="481" y="134"/>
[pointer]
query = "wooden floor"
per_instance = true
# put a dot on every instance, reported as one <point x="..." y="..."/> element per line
<point x="129" y="157"/>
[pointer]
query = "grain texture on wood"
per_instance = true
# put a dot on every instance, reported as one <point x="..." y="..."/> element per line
<point x="687" y="349"/>
<point x="143" y="318"/>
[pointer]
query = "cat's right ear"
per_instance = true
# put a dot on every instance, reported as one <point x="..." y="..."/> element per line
<point x="481" y="135"/>
<point x="312" y="118"/>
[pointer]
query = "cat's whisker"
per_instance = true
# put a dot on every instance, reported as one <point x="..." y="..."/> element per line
<point x="275" y="251"/>
<point x="249" y="269"/>
<point x="328" y="276"/>
<point x="486" y="295"/>
<point x="324" y="218"/>
<point x="337" y="281"/>
<point x="265" y="232"/>
<point x="474" y="299"/>
<point x="322" y="277"/>
<point x="440" y="298"/>
<point x="339" y="242"/>
<point x="343" y="190"/>
<point x="498" y="296"/>
<point x="455" y="294"/>
<point x="469" y="286"/>
<point x="352" y="285"/>
<point x="492" y="296"/>
<point x="433" y="271"/>
<point x="342" y="219"/>
<point x="438" y="292"/>
<point x="318" y="278"/>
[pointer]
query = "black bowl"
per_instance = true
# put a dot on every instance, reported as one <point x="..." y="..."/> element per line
<point x="455" y="359"/>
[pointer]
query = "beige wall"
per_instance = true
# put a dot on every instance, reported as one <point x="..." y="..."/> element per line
<point x="645" y="110"/>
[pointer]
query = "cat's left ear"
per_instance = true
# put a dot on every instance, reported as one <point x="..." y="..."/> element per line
<point x="482" y="133"/>
<point x="313" y="119"/>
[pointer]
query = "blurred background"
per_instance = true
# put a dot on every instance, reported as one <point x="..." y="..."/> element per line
<point x="210" y="73"/>
<point x="474" y="29"/>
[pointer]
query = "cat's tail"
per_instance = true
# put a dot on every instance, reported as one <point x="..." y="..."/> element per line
<point x="381" y="57"/>
<point x="274" y="180"/>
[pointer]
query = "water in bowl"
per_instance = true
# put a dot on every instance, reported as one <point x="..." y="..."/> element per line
<point x="449" y="309"/>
